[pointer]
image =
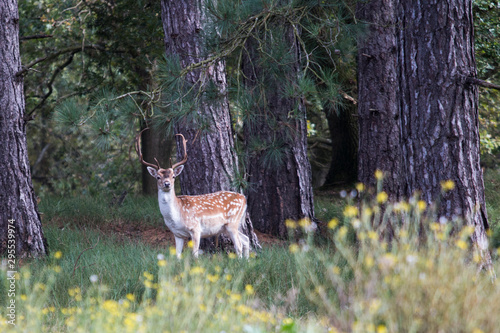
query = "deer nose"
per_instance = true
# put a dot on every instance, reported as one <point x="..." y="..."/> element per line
<point x="166" y="184"/>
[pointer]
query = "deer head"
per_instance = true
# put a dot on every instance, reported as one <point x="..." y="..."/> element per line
<point x="165" y="177"/>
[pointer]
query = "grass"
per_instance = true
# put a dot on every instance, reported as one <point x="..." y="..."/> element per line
<point x="96" y="210"/>
<point x="357" y="281"/>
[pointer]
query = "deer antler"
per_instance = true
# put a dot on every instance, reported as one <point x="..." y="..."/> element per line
<point x="184" y="160"/>
<point x="138" y="150"/>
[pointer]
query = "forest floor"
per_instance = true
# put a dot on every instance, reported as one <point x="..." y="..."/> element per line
<point x="156" y="236"/>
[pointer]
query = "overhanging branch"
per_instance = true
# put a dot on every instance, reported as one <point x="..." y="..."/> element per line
<point x="73" y="50"/>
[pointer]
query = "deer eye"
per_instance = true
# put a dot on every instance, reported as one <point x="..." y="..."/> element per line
<point x="158" y="177"/>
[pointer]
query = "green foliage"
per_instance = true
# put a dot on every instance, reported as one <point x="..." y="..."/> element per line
<point x="487" y="44"/>
<point x="93" y="52"/>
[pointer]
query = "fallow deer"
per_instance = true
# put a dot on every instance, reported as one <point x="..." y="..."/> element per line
<point x="197" y="216"/>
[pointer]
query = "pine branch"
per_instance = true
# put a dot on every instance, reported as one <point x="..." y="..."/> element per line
<point x="58" y="70"/>
<point x="35" y="37"/>
<point x="72" y="50"/>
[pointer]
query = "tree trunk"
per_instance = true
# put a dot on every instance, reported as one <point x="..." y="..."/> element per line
<point x="380" y="145"/>
<point x="18" y="206"/>
<point x="440" y="126"/>
<point x="154" y="145"/>
<point x="212" y="160"/>
<point x="418" y="114"/>
<point x="343" y="133"/>
<point x="279" y="173"/>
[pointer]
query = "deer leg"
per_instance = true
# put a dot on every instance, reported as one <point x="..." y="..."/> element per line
<point x="179" y="244"/>
<point x="246" y="244"/>
<point x="236" y="240"/>
<point x="195" y="237"/>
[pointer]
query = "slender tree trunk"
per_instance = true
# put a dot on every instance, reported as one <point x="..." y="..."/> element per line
<point x="154" y="145"/>
<point x="279" y="172"/>
<point x="343" y="133"/>
<point x="213" y="163"/>
<point x="18" y="208"/>
<point x="380" y="145"/>
<point x="418" y="114"/>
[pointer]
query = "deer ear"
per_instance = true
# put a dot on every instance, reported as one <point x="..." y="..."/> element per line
<point x="153" y="172"/>
<point x="178" y="170"/>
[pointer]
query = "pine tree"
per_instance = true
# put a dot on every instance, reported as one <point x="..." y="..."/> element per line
<point x="418" y="107"/>
<point x="18" y="207"/>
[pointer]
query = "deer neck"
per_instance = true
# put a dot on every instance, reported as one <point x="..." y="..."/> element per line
<point x="169" y="205"/>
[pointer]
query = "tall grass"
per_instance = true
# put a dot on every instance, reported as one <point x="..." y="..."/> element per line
<point x="386" y="267"/>
<point x="96" y="210"/>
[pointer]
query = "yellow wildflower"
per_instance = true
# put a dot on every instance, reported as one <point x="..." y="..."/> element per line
<point x="197" y="270"/>
<point x="212" y="278"/>
<point x="462" y="244"/>
<point x="369" y="261"/>
<point x="447" y="185"/>
<point x="381" y="329"/>
<point x="290" y="224"/>
<point x="379" y="174"/>
<point x="333" y="223"/>
<point x="293" y="248"/>
<point x="382" y="197"/>
<point x="336" y="270"/>
<point x="422" y="205"/>
<point x="350" y="211"/>
<point x="360" y="187"/>
<point x="304" y="223"/>
<point x="342" y="231"/>
<point x="112" y="307"/>
<point x="249" y="289"/>
<point x="367" y="212"/>
<point x="58" y="255"/>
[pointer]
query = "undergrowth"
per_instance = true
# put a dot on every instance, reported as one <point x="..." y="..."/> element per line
<point x="386" y="267"/>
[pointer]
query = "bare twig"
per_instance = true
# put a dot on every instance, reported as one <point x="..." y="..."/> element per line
<point x="35" y="37"/>
<point x="78" y="258"/>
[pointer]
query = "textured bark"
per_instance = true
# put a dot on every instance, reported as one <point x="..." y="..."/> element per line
<point x="213" y="162"/>
<point x="422" y="56"/>
<point x="277" y="191"/>
<point x="440" y="126"/>
<point x="17" y="198"/>
<point x="378" y="109"/>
